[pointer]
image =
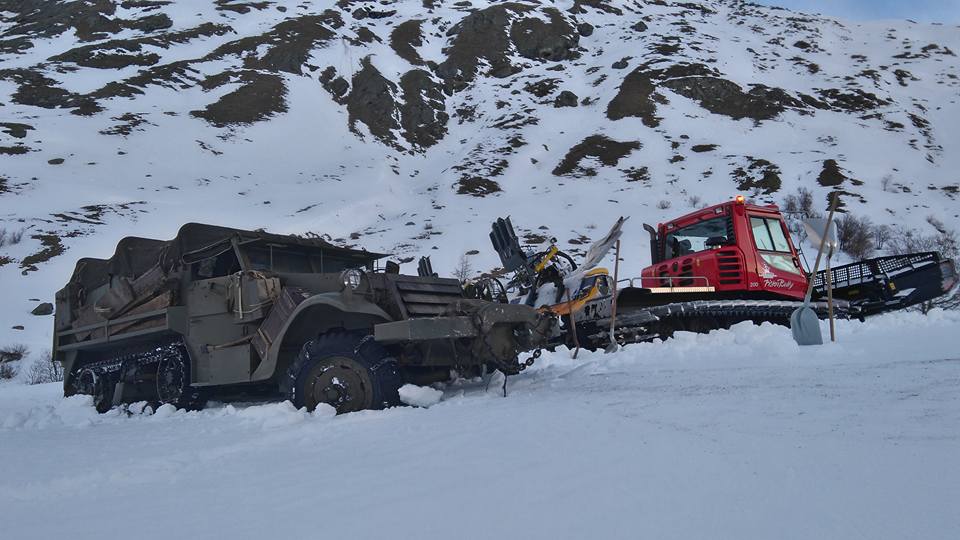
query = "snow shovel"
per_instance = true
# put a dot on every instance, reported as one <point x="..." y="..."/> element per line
<point x="804" y="323"/>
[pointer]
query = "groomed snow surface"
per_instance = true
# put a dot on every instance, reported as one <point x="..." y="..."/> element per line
<point x="739" y="434"/>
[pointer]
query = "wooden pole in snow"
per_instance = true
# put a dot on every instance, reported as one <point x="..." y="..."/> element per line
<point x="613" y="306"/>
<point x="833" y="332"/>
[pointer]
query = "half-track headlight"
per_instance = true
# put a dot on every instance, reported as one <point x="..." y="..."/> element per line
<point x="351" y="278"/>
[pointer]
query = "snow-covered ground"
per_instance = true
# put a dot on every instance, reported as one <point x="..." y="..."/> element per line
<point x="738" y="434"/>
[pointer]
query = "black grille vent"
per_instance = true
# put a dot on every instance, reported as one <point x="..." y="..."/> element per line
<point x="427" y="297"/>
<point x="686" y="271"/>
<point x="731" y="271"/>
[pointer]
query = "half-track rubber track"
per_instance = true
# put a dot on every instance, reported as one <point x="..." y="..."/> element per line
<point x="131" y="363"/>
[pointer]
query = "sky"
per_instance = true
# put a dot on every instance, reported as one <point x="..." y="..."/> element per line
<point x="946" y="11"/>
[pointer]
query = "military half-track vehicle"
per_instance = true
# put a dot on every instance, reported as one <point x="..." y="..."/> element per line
<point x="219" y="312"/>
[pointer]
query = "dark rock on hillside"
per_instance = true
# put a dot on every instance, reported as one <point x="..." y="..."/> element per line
<point x="477" y="186"/>
<point x="40" y="91"/>
<point x="90" y="19"/>
<point x="566" y="98"/>
<point x="727" y="98"/>
<point x="261" y="96"/>
<point x="365" y="35"/>
<point x="579" y="6"/>
<point x="46" y="308"/>
<point x="177" y="75"/>
<point x="606" y="150"/>
<point x="480" y="35"/>
<point x="487" y="34"/>
<point x="239" y="6"/>
<point x="109" y="55"/>
<point x="333" y="83"/>
<point x="372" y="101"/>
<point x="539" y="40"/>
<point x="404" y="40"/>
<point x="423" y="115"/>
<point x="288" y="44"/>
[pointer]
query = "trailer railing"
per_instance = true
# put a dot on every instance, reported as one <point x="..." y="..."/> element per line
<point x="869" y="271"/>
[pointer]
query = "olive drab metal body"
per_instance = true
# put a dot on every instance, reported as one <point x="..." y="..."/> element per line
<point x="219" y="311"/>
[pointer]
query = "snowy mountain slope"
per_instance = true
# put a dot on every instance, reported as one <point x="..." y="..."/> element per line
<point x="738" y="434"/>
<point x="409" y="126"/>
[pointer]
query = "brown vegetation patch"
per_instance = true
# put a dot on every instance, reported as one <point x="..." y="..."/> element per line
<point x="758" y="174"/>
<point x="15" y="130"/>
<point x="241" y="6"/>
<point x="288" y="44"/>
<point x="636" y="98"/>
<point x="127" y="124"/>
<point x="851" y="100"/>
<point x="261" y="96"/>
<point x="542" y="88"/>
<point x="832" y="175"/>
<point x="641" y="174"/>
<point x="175" y="75"/>
<point x="120" y="53"/>
<point x="52" y="247"/>
<point x="606" y="150"/>
<point x="477" y="186"/>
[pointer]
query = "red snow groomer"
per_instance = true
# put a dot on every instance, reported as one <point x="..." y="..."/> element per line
<point x="736" y="262"/>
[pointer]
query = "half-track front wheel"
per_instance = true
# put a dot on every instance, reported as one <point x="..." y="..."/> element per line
<point x="347" y="371"/>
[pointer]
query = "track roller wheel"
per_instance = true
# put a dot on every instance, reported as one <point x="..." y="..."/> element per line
<point x="90" y="383"/>
<point x="173" y="379"/>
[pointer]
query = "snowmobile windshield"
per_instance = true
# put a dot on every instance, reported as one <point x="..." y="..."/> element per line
<point x="707" y="234"/>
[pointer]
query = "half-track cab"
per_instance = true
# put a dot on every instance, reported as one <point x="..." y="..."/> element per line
<point x="221" y="312"/>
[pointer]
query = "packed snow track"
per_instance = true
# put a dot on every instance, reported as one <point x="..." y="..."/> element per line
<point x="737" y="434"/>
